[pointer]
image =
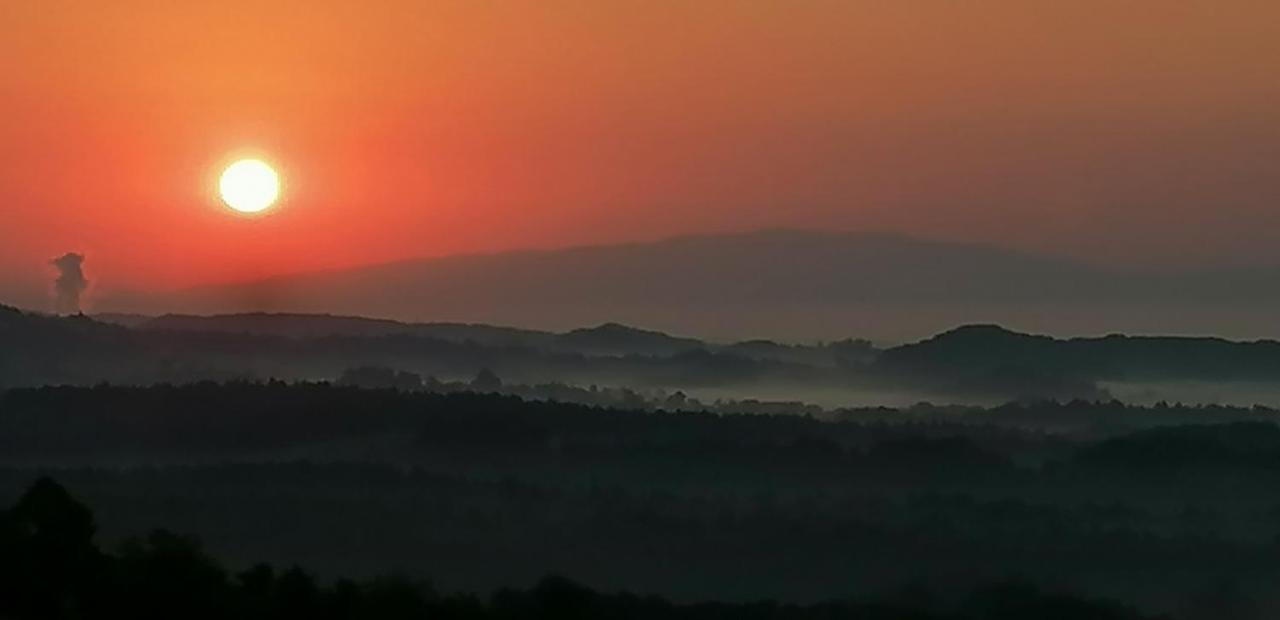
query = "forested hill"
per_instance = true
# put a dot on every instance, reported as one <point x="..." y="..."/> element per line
<point x="981" y="360"/>
<point x="989" y="348"/>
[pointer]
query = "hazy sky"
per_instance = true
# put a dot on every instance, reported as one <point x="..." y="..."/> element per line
<point x="1131" y="132"/>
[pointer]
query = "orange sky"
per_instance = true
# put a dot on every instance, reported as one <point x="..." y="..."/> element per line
<point x="1137" y="132"/>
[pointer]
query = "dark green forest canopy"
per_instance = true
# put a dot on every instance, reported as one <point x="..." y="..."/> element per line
<point x="484" y="491"/>
<point x="51" y="568"/>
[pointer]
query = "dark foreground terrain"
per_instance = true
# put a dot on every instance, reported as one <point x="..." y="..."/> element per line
<point x="1170" y="510"/>
<point x="50" y="567"/>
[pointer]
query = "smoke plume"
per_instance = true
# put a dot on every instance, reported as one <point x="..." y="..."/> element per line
<point x="70" y="284"/>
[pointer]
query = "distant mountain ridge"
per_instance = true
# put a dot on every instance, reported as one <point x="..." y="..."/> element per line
<point x="782" y="284"/>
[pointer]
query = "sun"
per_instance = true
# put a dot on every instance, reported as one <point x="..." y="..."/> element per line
<point x="249" y="186"/>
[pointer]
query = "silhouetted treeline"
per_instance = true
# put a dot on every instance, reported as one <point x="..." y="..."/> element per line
<point x="236" y="417"/>
<point x="487" y="381"/>
<point x="51" y="568"/>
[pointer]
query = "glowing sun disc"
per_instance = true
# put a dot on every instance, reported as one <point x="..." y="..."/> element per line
<point x="249" y="186"/>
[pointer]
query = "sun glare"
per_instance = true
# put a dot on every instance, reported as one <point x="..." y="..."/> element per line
<point x="249" y="186"/>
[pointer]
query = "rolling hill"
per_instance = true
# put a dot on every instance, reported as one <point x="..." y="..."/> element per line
<point x="984" y="362"/>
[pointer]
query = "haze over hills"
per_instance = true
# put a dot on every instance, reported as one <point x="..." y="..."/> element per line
<point x="972" y="364"/>
<point x="781" y="284"/>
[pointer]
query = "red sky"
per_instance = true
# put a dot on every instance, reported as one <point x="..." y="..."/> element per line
<point x="1140" y="133"/>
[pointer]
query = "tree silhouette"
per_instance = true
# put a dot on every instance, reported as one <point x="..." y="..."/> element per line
<point x="48" y="562"/>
